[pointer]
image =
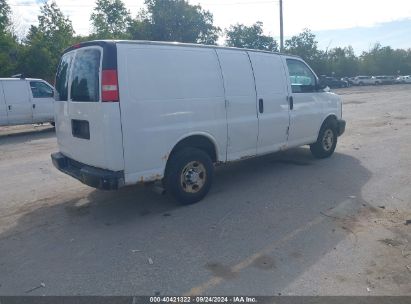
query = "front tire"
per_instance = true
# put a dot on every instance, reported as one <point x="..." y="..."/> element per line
<point x="326" y="142"/>
<point x="189" y="175"/>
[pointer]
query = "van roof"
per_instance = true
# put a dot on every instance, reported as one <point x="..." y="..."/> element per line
<point x="102" y="42"/>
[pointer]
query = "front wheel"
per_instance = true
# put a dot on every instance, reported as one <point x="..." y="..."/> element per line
<point x="326" y="142"/>
<point x="189" y="175"/>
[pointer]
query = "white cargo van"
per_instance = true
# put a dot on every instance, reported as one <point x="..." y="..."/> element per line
<point x="130" y="112"/>
<point x="25" y="101"/>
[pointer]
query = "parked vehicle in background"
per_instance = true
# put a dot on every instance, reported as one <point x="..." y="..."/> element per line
<point x="130" y="112"/>
<point x="364" y="80"/>
<point x="333" y="82"/>
<point x="26" y="101"/>
<point x="403" y="79"/>
<point x="348" y="80"/>
<point x="384" y="80"/>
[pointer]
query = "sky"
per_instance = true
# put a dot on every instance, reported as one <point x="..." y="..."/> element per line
<point x="359" y="23"/>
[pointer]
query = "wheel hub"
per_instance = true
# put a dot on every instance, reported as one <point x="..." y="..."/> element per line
<point x="328" y="140"/>
<point x="193" y="177"/>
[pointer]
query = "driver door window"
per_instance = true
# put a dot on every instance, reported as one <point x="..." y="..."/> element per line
<point x="301" y="78"/>
<point x="40" y="90"/>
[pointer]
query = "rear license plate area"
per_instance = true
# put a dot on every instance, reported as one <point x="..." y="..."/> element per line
<point x="80" y="128"/>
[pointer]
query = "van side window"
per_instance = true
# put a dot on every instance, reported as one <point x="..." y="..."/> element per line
<point x="85" y="85"/>
<point x="301" y="78"/>
<point x="62" y="77"/>
<point x="40" y="90"/>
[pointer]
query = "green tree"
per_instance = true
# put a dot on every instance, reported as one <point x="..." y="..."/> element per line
<point x="305" y="45"/>
<point x="45" y="42"/>
<point x="9" y="48"/>
<point x="175" y="20"/>
<point x="385" y="61"/>
<point x="4" y="16"/>
<point x="9" y="55"/>
<point x="342" y="62"/>
<point x="110" y="20"/>
<point x="251" y="37"/>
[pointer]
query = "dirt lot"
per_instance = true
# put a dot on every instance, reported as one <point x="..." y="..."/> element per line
<point x="281" y="224"/>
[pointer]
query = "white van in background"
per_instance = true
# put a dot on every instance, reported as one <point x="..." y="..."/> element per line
<point x="130" y="112"/>
<point x="25" y="101"/>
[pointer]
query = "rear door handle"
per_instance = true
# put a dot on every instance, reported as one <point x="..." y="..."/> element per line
<point x="261" y="105"/>
<point x="291" y="101"/>
<point x="9" y="108"/>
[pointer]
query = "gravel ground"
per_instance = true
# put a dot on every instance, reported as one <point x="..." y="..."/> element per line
<point x="280" y="224"/>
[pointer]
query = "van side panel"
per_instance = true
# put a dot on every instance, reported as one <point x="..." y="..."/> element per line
<point x="241" y="98"/>
<point x="3" y="107"/>
<point x="19" y="107"/>
<point x="272" y="90"/>
<point x="166" y="94"/>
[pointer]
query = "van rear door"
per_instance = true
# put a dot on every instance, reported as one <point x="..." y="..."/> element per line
<point x="87" y="111"/>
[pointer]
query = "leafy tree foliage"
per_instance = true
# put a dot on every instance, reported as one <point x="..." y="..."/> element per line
<point x="303" y="45"/>
<point x="110" y="19"/>
<point x="9" y="48"/>
<point x="9" y="54"/>
<point x="4" y="16"/>
<point x="46" y="41"/>
<point x="175" y="20"/>
<point x="250" y="37"/>
<point x="385" y="60"/>
<point x="54" y="28"/>
<point x="341" y="62"/>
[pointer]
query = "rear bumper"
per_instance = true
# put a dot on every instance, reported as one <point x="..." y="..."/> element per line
<point x="341" y="126"/>
<point x="91" y="176"/>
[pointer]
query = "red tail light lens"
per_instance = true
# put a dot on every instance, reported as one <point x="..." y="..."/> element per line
<point x="109" y="86"/>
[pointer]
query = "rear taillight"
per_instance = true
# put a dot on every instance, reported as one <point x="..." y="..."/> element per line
<point x="109" y="86"/>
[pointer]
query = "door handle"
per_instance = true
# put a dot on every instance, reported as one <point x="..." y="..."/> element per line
<point x="261" y="105"/>
<point x="34" y="106"/>
<point x="9" y="108"/>
<point x="291" y="101"/>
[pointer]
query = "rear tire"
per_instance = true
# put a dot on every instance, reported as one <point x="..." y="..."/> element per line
<point x="189" y="175"/>
<point x="327" y="140"/>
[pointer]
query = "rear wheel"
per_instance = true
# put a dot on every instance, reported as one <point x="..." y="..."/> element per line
<point x="327" y="140"/>
<point x="189" y="175"/>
